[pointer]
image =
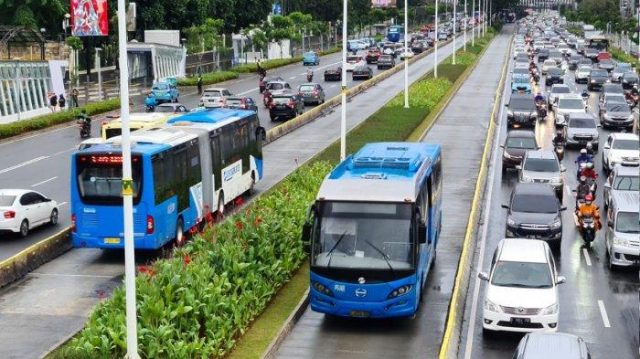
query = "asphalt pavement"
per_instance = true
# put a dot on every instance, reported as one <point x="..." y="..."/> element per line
<point x="461" y="130"/>
<point x="51" y="303"/>
<point x="599" y="305"/>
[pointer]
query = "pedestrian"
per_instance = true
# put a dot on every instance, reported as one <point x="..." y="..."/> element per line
<point x="53" y="101"/>
<point x="62" y="102"/>
<point x="74" y="98"/>
<point x="200" y="85"/>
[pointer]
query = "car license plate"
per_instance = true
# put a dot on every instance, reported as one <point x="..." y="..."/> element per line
<point x="112" y="240"/>
<point x="520" y="321"/>
<point x="359" y="314"/>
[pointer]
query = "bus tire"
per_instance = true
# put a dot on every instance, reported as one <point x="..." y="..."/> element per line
<point x="180" y="236"/>
<point x="220" y="208"/>
<point x="252" y="188"/>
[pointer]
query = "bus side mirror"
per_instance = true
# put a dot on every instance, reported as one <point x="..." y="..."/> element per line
<point x="422" y="233"/>
<point x="306" y="236"/>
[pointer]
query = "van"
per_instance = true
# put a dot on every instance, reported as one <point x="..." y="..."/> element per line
<point x="565" y="346"/>
<point x="622" y="232"/>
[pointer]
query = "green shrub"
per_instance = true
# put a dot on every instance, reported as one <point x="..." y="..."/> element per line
<point x="44" y="121"/>
<point x="209" y="78"/>
<point x="195" y="304"/>
<point x="268" y="64"/>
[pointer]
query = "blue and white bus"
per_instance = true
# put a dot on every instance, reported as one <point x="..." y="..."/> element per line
<point x="181" y="172"/>
<point x="373" y="231"/>
<point x="395" y="33"/>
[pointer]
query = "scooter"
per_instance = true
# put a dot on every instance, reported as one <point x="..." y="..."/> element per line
<point x="85" y="128"/>
<point x="587" y="229"/>
<point x="309" y="76"/>
<point x="559" y="150"/>
<point x="541" y="110"/>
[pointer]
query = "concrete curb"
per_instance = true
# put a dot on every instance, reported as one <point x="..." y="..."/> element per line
<point x="18" y="265"/>
<point x="453" y="326"/>
<point x="286" y="328"/>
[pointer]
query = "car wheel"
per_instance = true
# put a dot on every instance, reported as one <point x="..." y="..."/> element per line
<point x="273" y="118"/>
<point x="53" y="218"/>
<point x="24" y="228"/>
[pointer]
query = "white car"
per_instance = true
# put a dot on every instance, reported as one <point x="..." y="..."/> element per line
<point x="522" y="292"/>
<point x="547" y="64"/>
<point x="353" y="62"/>
<point x="409" y="54"/>
<point x="21" y="210"/>
<point x="620" y="148"/>
<point x="565" y="105"/>
<point x="214" y="97"/>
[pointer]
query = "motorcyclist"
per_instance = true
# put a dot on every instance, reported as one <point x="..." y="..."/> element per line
<point x="589" y="209"/>
<point x="539" y="98"/>
<point x="150" y="101"/>
<point x="309" y="75"/>
<point x="582" y="190"/>
<point x="84" y="121"/>
<point x="589" y="149"/>
<point x="589" y="173"/>
<point x="559" y="138"/>
<point x="261" y="84"/>
<point x="584" y="157"/>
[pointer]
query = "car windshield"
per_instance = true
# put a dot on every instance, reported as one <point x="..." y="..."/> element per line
<point x="528" y="143"/>
<point x="582" y="123"/>
<point x="307" y="88"/>
<point x="363" y="235"/>
<point x="521" y="79"/>
<point x="6" y="200"/>
<point x="521" y="275"/>
<point x="555" y="72"/>
<point x="623" y="67"/>
<point x="541" y="165"/>
<point x="630" y="76"/>
<point x="626" y="183"/>
<point x="353" y="59"/>
<point x="212" y="93"/>
<point x="599" y="73"/>
<point x="571" y="104"/>
<point x="521" y="71"/>
<point x="160" y="87"/>
<point x="549" y="63"/>
<point x="625" y="145"/>
<point x="627" y="222"/>
<point x="520" y="104"/>
<point x="534" y="203"/>
<point x="560" y="89"/>
<point x="585" y="69"/>
<point x="165" y="109"/>
<point x="275" y="86"/>
<point x="617" y="107"/>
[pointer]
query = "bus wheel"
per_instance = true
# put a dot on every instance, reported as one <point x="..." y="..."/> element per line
<point x="180" y="237"/>
<point x="252" y="188"/>
<point x="220" y="211"/>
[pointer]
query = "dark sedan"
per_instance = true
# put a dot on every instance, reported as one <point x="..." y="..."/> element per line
<point x="629" y="79"/>
<point x="522" y="111"/>
<point x="362" y="73"/>
<point x="606" y="64"/>
<point x="386" y="62"/>
<point x="516" y="144"/>
<point x="543" y="54"/>
<point x="554" y="76"/>
<point x="333" y="74"/>
<point x="597" y="78"/>
<point x="286" y="105"/>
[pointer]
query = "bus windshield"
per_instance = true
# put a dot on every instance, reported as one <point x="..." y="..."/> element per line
<point x="360" y="235"/>
<point x="99" y="178"/>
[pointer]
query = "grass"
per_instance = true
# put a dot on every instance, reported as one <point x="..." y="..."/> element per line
<point x="209" y="78"/>
<point x="621" y="56"/>
<point x="263" y="330"/>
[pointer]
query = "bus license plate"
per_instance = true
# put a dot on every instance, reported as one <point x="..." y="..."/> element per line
<point x="359" y="314"/>
<point x="112" y="240"/>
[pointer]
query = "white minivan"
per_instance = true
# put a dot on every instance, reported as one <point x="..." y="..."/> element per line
<point x="622" y="234"/>
<point x="522" y="294"/>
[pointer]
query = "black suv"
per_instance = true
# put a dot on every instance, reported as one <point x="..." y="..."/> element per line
<point x="597" y="79"/>
<point x="534" y="212"/>
<point x="522" y="111"/>
<point x="554" y="76"/>
<point x="543" y="54"/>
<point x="286" y="105"/>
<point x="516" y="144"/>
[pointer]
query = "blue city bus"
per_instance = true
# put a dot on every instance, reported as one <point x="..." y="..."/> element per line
<point x="181" y="172"/>
<point x="395" y="33"/>
<point x="373" y="230"/>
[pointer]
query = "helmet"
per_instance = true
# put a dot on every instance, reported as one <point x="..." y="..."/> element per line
<point x="539" y="94"/>
<point x="588" y="198"/>
<point x="583" y="151"/>
<point x="559" y="132"/>
<point x="583" y="178"/>
<point x="589" y="165"/>
<point x="589" y="146"/>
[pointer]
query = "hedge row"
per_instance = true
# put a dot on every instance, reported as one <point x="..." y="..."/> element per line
<point x="209" y="78"/>
<point x="44" y="121"/>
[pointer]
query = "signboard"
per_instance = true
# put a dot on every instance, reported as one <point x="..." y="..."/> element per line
<point x="89" y="18"/>
<point x="276" y="8"/>
<point x="383" y="3"/>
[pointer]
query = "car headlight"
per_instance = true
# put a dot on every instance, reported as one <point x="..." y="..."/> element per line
<point x="607" y="116"/>
<point x="511" y="222"/>
<point x="593" y="81"/>
<point x="630" y="117"/>
<point x="398" y="292"/>
<point x="552" y="309"/>
<point x="490" y="306"/>
<point x="620" y="241"/>
<point x="556" y="181"/>
<point x="556" y="223"/>
<point x="510" y="113"/>
<point x="526" y="179"/>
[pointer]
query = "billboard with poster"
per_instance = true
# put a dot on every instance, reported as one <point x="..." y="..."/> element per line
<point x="89" y="18"/>
<point x="383" y="3"/>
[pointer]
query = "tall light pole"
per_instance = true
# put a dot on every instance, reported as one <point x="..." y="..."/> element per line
<point x="406" y="58"/>
<point x="127" y="190"/>
<point x="473" y="27"/>
<point x="466" y="23"/>
<point x="454" y="32"/>
<point x="343" y="120"/>
<point x="435" y="52"/>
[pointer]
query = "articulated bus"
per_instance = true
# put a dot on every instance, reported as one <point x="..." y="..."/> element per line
<point x="181" y="172"/>
<point x="373" y="230"/>
<point x="395" y="33"/>
<point x="137" y="121"/>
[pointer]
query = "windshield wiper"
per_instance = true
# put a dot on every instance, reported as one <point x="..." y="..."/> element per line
<point x="330" y="253"/>
<point x="384" y="255"/>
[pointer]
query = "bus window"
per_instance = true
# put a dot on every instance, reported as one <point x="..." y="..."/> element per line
<point x="100" y="178"/>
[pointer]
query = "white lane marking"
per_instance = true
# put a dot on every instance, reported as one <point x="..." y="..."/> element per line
<point x="292" y="77"/>
<point x="25" y="163"/>
<point x="62" y="204"/>
<point x="246" y="92"/>
<point x="485" y="227"/>
<point x="586" y="257"/>
<point x="603" y="313"/>
<point x="71" y="275"/>
<point x="320" y="67"/>
<point x="43" y="182"/>
<point x="566" y="187"/>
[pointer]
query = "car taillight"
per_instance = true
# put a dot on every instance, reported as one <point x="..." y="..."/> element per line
<point x="73" y="222"/>
<point x="150" y="225"/>
<point x="9" y="214"/>
<point x="315" y="92"/>
<point x="291" y="104"/>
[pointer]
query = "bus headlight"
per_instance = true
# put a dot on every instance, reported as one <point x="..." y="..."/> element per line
<point x="322" y="288"/>
<point x="399" y="292"/>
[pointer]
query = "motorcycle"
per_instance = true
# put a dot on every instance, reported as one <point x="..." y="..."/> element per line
<point x="632" y="98"/>
<point x="267" y="98"/>
<point x="309" y="76"/>
<point x="559" y="150"/>
<point x="541" y="109"/>
<point x="262" y="85"/>
<point x="149" y="108"/>
<point x="85" y="128"/>
<point x="587" y="229"/>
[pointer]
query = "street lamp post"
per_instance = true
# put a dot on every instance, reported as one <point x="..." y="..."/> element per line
<point x="127" y="191"/>
<point x="466" y="23"/>
<point x="65" y="27"/>
<point x="406" y="58"/>
<point x="343" y="120"/>
<point x="473" y="27"/>
<point x="44" y="41"/>
<point x="454" y="32"/>
<point x="435" y="52"/>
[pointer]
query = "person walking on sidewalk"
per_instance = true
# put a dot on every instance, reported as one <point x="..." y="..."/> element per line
<point x="74" y="98"/>
<point x="53" y="101"/>
<point x="200" y="85"/>
<point x="62" y="102"/>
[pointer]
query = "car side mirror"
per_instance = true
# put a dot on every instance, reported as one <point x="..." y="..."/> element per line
<point x="306" y="236"/>
<point x="607" y="147"/>
<point x="598" y="125"/>
<point x="610" y="224"/>
<point x="506" y="105"/>
<point x="505" y="206"/>
<point x="483" y="276"/>
<point x="607" y="185"/>
<point x="501" y="146"/>
<point x="518" y="167"/>
<point x="563" y="169"/>
<point x="563" y="208"/>
<point x="560" y="279"/>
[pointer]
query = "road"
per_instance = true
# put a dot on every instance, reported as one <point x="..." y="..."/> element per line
<point x="461" y="130"/>
<point x="41" y="161"/>
<point x="595" y="303"/>
<point x="53" y="302"/>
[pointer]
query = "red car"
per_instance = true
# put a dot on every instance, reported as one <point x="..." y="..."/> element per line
<point x="372" y="56"/>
